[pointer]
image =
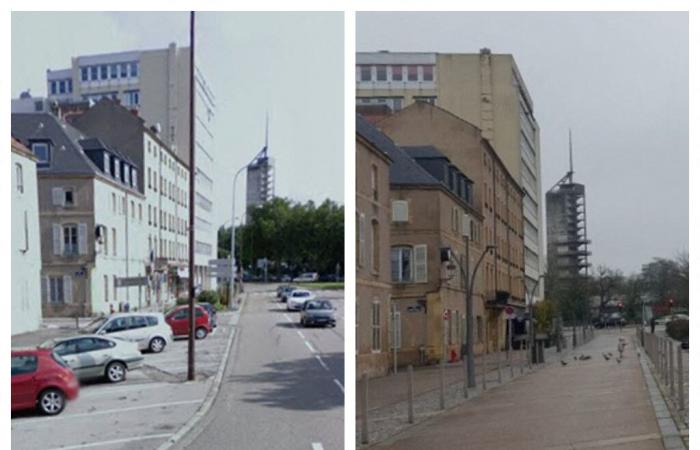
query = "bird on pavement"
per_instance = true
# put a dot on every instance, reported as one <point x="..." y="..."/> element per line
<point x="606" y="357"/>
<point x="584" y="358"/>
<point x="618" y="360"/>
<point x="563" y="363"/>
<point x="576" y="357"/>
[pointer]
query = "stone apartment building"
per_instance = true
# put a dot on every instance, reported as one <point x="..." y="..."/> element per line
<point x="432" y="210"/>
<point x="91" y="219"/>
<point x="165" y="185"/>
<point x="25" y="295"/>
<point x="497" y="198"/>
<point x="372" y="250"/>
<point x="485" y="89"/>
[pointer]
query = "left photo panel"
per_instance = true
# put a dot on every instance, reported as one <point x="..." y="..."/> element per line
<point x="177" y="230"/>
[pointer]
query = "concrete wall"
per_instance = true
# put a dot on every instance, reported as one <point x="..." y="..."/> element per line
<point x="26" y="251"/>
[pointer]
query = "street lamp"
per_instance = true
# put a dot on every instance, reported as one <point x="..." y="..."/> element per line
<point x="468" y="347"/>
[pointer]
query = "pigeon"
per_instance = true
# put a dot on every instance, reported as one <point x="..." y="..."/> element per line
<point x="584" y="358"/>
<point x="563" y="363"/>
<point x="576" y="358"/>
<point x="618" y="360"/>
<point x="607" y="358"/>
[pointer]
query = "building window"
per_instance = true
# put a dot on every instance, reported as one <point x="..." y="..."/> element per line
<point x="103" y="72"/>
<point x="401" y="264"/>
<point x="412" y="73"/>
<point x="399" y="211"/>
<point x="68" y="197"/>
<point x="53" y="87"/>
<point x="133" y="210"/>
<point x="365" y="73"/>
<point x="375" y="245"/>
<point x="123" y="70"/>
<point x="376" y="327"/>
<point x="427" y="73"/>
<point x="19" y="178"/>
<point x="56" y="290"/>
<point x="140" y="212"/>
<point x="381" y="73"/>
<point x="42" y="152"/>
<point x="361" y="238"/>
<point x="114" y="71"/>
<point x="131" y="97"/>
<point x="134" y="69"/>
<point x="93" y="72"/>
<point x="396" y="73"/>
<point x="106" y="278"/>
<point x="114" y="241"/>
<point x="69" y="86"/>
<point x="70" y="240"/>
<point x="114" y="287"/>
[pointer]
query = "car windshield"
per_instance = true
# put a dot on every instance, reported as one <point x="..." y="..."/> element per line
<point x="95" y="325"/>
<point x="51" y="343"/>
<point x="316" y="305"/>
<point x="301" y="294"/>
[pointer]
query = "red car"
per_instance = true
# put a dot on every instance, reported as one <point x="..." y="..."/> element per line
<point x="178" y="319"/>
<point x="40" y="379"/>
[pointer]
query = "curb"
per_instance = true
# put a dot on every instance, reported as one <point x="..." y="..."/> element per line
<point x="213" y="390"/>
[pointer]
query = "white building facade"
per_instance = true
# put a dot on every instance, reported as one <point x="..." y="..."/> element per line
<point x="26" y="243"/>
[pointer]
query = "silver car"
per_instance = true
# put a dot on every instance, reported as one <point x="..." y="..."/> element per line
<point x="148" y="330"/>
<point x="317" y="312"/>
<point x="96" y="356"/>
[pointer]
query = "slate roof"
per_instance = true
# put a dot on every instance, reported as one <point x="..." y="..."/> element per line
<point x="423" y="151"/>
<point x="403" y="170"/>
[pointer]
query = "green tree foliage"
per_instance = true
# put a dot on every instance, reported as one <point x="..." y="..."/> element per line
<point x="299" y="236"/>
<point x="665" y="279"/>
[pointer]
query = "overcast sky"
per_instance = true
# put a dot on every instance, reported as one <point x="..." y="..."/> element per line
<point x="618" y="80"/>
<point x="290" y="64"/>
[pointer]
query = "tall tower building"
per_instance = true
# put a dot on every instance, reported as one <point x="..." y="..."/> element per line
<point x="155" y="85"/>
<point x="484" y="89"/>
<point x="567" y="236"/>
<point x="260" y="178"/>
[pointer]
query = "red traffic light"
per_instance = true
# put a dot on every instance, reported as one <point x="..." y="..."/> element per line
<point x="620" y="305"/>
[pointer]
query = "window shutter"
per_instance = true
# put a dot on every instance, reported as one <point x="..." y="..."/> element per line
<point x="45" y="290"/>
<point x="466" y="225"/>
<point x="399" y="211"/>
<point x="420" y="263"/>
<point x="57" y="241"/>
<point x="362" y="239"/>
<point x="58" y="196"/>
<point x="82" y="239"/>
<point x="67" y="289"/>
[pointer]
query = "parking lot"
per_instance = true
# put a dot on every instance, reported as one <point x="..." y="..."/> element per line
<point x="140" y="413"/>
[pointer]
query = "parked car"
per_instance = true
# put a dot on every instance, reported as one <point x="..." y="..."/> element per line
<point x="610" y="320"/>
<point x="285" y="279"/>
<point x="178" y="319"/>
<point x="41" y="380"/>
<point x="211" y="310"/>
<point x="96" y="356"/>
<point x="307" y="277"/>
<point x="281" y="288"/>
<point x="664" y="320"/>
<point x="296" y="299"/>
<point x="286" y="291"/>
<point x="148" y="330"/>
<point x="317" y="312"/>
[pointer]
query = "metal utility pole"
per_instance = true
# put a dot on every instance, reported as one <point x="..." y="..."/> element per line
<point x="190" y="342"/>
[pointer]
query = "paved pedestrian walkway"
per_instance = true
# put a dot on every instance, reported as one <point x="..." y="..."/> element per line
<point x="584" y="404"/>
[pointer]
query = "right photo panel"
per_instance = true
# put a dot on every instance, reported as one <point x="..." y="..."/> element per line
<point x="522" y="266"/>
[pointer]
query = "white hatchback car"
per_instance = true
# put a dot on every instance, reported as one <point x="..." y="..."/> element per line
<point x="148" y="330"/>
<point x="297" y="298"/>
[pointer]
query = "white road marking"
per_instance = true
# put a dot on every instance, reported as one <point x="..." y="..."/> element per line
<point x="96" y="413"/>
<point x="320" y="361"/>
<point x="301" y="335"/>
<point x="289" y="319"/>
<point x="316" y="446"/>
<point x="310" y="347"/>
<point x="103" y="391"/>
<point x="339" y="384"/>
<point x="115" y="441"/>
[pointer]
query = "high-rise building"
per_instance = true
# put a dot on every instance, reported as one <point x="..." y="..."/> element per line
<point x="260" y="181"/>
<point x="484" y="89"/>
<point x="567" y="235"/>
<point x="155" y="85"/>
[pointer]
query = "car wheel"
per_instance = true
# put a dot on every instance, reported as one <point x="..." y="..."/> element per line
<point x="156" y="345"/>
<point x="52" y="402"/>
<point x="115" y="372"/>
<point x="200" y="333"/>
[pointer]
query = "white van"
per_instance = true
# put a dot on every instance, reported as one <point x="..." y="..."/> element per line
<point x="148" y="330"/>
<point x="308" y="277"/>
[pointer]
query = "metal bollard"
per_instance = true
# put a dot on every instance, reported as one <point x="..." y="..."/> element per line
<point x="510" y="363"/>
<point x="466" y="378"/>
<point x="522" y="359"/>
<point x="681" y="389"/>
<point x="670" y="367"/>
<point x="410" y="394"/>
<point x="442" y="384"/>
<point x="483" y="371"/>
<point x="364" y="399"/>
<point x="498" y="366"/>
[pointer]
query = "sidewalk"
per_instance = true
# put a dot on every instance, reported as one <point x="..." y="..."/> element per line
<point x="585" y="404"/>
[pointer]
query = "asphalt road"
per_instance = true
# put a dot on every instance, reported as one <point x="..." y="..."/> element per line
<point x="283" y="387"/>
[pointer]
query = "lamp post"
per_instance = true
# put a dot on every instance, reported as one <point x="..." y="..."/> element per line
<point x="468" y="348"/>
<point x="232" y="282"/>
<point x="532" y="317"/>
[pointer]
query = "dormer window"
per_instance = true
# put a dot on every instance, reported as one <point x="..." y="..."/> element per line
<point x="42" y="152"/>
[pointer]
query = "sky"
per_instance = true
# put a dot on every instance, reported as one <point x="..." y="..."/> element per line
<point x="619" y="81"/>
<point x="287" y="65"/>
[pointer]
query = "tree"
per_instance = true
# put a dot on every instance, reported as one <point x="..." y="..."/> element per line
<point x="606" y="283"/>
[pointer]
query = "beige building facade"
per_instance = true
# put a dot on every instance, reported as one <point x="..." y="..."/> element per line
<point x="484" y="89"/>
<point x="497" y="200"/>
<point x="372" y="253"/>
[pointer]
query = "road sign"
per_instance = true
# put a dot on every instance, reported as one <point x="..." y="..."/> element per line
<point x="510" y="312"/>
